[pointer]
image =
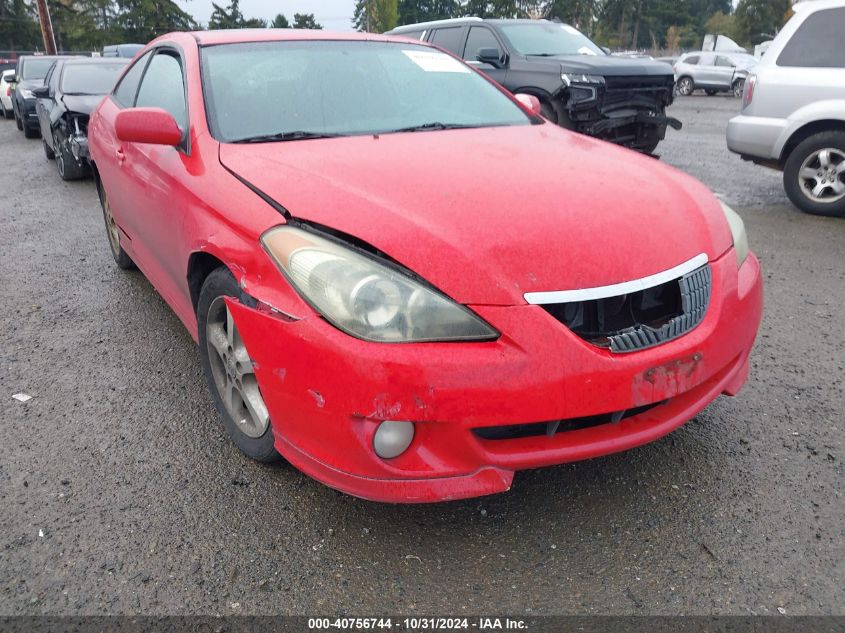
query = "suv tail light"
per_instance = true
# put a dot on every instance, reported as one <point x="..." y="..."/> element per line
<point x="748" y="91"/>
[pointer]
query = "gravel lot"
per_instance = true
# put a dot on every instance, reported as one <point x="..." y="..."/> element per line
<point x="119" y="492"/>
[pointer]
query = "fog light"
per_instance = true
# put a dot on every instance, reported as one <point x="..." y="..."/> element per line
<point x="392" y="438"/>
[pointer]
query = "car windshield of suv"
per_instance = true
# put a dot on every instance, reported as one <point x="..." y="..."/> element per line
<point x="545" y="39"/>
<point x="36" y="68"/>
<point x="274" y="91"/>
<point x="90" y="79"/>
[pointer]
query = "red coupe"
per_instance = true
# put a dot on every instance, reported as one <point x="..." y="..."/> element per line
<point x="401" y="278"/>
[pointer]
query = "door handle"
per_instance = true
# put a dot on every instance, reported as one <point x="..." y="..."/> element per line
<point x="120" y="155"/>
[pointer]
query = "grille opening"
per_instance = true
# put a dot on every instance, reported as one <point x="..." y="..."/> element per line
<point x="598" y="320"/>
<point x="642" y="319"/>
<point x="535" y="429"/>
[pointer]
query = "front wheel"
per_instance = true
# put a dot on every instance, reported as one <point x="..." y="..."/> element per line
<point x="814" y="175"/>
<point x="738" y="87"/>
<point x="229" y="370"/>
<point x="67" y="165"/>
<point x="122" y="260"/>
<point x="685" y="86"/>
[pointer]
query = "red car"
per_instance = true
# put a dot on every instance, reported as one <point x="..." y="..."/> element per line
<point x="401" y="278"/>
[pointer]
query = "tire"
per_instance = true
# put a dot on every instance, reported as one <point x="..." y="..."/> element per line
<point x="224" y="363"/>
<point x="31" y="132"/>
<point x="711" y="93"/>
<point x="66" y="164"/>
<point x="122" y="260"/>
<point x="737" y="88"/>
<point x="814" y="175"/>
<point x="5" y="111"/>
<point x="686" y="86"/>
<point x="49" y="153"/>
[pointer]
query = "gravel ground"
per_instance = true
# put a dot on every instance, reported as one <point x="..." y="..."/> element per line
<point x="120" y="494"/>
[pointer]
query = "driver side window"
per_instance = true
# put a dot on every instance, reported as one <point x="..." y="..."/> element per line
<point x="163" y="87"/>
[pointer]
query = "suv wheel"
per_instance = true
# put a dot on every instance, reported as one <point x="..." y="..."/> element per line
<point x="685" y="86"/>
<point x="738" y="86"/>
<point x="814" y="174"/>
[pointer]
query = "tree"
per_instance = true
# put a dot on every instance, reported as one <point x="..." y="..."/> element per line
<point x="760" y="20"/>
<point x="143" y="20"/>
<point x="413" y="11"/>
<point x="579" y="13"/>
<point x="232" y="18"/>
<point x="721" y="24"/>
<point x="305" y="21"/>
<point x="280" y="22"/>
<point x="375" y="16"/>
<point x="18" y="26"/>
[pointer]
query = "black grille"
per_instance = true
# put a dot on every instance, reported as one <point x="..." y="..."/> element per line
<point x="642" y="319"/>
<point x="534" y="429"/>
<point x="637" y="92"/>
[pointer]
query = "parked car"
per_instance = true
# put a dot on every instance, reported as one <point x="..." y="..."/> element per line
<point x="404" y="280"/>
<point x="121" y="50"/>
<point x="29" y="74"/>
<point x="713" y="72"/>
<point x="793" y="114"/>
<point x="579" y="85"/>
<point x="6" y="93"/>
<point x="72" y="89"/>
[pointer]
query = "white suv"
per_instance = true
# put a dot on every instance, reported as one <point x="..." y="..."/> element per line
<point x="793" y="111"/>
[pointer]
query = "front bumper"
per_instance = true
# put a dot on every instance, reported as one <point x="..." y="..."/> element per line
<point x="327" y="392"/>
<point x="755" y="137"/>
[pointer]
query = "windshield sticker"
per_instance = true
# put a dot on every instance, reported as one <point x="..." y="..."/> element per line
<point x="434" y="62"/>
<point x="569" y="29"/>
<point x="586" y="51"/>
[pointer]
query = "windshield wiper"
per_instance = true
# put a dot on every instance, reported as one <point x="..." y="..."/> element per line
<point x="295" y="135"/>
<point x="434" y="125"/>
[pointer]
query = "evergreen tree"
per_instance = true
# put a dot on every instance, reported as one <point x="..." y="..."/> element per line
<point x="280" y="22"/>
<point x="305" y="21"/>
<point x="143" y="20"/>
<point x="760" y="20"/>
<point x="376" y="16"/>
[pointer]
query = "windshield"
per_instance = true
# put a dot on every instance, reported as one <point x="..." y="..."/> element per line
<point x="90" y="79"/>
<point x="549" y="38"/>
<point x="344" y="88"/>
<point x="36" y="68"/>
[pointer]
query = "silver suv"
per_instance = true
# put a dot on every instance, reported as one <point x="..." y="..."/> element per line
<point x="793" y="110"/>
<point x="713" y="72"/>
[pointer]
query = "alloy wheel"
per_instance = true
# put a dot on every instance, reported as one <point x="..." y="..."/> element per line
<point x="685" y="86"/>
<point x="739" y="85"/>
<point x="111" y="225"/>
<point x="822" y="176"/>
<point x="60" y="155"/>
<point x="234" y="372"/>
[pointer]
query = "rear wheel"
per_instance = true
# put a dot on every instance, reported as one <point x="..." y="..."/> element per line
<point x="229" y="370"/>
<point x="738" y="87"/>
<point x="814" y="174"/>
<point x="685" y="86"/>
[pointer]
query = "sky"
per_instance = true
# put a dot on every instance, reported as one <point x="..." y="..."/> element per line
<point x="335" y="15"/>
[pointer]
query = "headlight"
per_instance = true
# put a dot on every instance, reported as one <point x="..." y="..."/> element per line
<point x="737" y="232"/>
<point x="27" y="94"/>
<point x="366" y="298"/>
<point x="581" y="78"/>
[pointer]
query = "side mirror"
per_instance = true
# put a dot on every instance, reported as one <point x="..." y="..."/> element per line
<point x="530" y="103"/>
<point x="41" y="92"/>
<point x="492" y="56"/>
<point x="147" y="125"/>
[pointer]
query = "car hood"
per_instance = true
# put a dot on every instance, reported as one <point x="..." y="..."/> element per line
<point x="81" y="104"/>
<point x="610" y="66"/>
<point x="29" y="84"/>
<point x="487" y="215"/>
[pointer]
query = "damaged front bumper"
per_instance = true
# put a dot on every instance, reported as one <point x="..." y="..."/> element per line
<point x="327" y="393"/>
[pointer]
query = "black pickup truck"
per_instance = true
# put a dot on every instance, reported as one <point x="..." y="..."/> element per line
<point x="579" y="85"/>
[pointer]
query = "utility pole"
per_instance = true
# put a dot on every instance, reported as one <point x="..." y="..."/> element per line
<point x="46" y="27"/>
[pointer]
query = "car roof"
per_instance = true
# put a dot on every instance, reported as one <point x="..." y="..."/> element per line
<point x="467" y="20"/>
<point x="817" y="5"/>
<point x="87" y="61"/>
<point x="235" y="36"/>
